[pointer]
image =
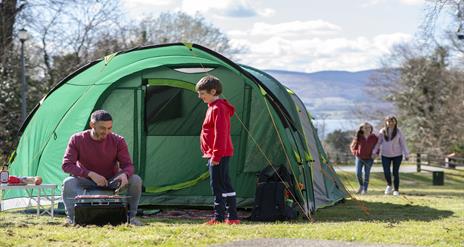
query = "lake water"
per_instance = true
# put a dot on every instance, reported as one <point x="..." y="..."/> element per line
<point x="327" y="126"/>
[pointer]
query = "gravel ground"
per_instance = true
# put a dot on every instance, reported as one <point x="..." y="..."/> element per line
<point x="271" y="242"/>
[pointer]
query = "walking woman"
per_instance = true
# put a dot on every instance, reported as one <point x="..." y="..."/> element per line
<point x="362" y="146"/>
<point x="392" y="146"/>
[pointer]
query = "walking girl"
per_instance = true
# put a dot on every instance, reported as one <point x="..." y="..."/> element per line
<point x="393" y="149"/>
<point x="361" y="147"/>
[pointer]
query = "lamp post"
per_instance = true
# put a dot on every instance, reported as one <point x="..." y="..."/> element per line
<point x="460" y="15"/>
<point x="22" y="34"/>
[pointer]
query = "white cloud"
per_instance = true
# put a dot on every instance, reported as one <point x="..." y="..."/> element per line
<point x="299" y="29"/>
<point x="226" y="8"/>
<point x="412" y="2"/>
<point x="146" y="3"/>
<point x="237" y="33"/>
<point x="267" y="12"/>
<point x="368" y="3"/>
<point x="315" y="54"/>
<point x="386" y="41"/>
<point x="295" y="28"/>
<point x="139" y="9"/>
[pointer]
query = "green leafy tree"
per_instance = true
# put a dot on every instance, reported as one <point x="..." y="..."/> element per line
<point x="428" y="95"/>
<point x="337" y="145"/>
<point x="9" y="90"/>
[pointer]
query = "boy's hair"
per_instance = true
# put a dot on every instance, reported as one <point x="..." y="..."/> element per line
<point x="208" y="83"/>
<point x="100" y="115"/>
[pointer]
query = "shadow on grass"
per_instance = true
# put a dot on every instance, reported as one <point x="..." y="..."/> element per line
<point x="438" y="194"/>
<point x="21" y="223"/>
<point x="348" y="211"/>
<point x="355" y="210"/>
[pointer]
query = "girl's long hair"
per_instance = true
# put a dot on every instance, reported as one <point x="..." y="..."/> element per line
<point x="360" y="132"/>
<point x="395" y="128"/>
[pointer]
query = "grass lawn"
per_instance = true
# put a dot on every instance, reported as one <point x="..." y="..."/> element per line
<point x="423" y="215"/>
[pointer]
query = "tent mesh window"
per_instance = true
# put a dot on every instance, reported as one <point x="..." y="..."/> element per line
<point x="172" y="111"/>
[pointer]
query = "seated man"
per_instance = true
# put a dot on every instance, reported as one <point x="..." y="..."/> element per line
<point x="92" y="158"/>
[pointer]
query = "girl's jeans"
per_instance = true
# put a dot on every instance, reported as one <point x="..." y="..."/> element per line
<point x="367" y="165"/>
<point x="386" y="163"/>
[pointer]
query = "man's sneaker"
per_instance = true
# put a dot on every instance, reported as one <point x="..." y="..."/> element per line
<point x="68" y="222"/>
<point x="233" y="222"/>
<point x="359" y="190"/>
<point x="388" y="190"/>
<point x="396" y="193"/>
<point x="135" y="222"/>
<point x="363" y="192"/>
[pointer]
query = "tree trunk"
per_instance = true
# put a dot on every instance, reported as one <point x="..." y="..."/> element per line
<point x="8" y="12"/>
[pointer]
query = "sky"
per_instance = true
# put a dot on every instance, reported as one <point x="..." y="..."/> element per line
<point x="303" y="35"/>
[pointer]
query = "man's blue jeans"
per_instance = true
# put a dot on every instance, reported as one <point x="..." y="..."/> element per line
<point x="74" y="186"/>
<point x="367" y="165"/>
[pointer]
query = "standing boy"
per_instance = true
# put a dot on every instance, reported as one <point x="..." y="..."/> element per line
<point x="216" y="146"/>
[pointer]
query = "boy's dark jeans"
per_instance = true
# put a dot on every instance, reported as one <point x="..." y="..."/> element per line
<point x="223" y="191"/>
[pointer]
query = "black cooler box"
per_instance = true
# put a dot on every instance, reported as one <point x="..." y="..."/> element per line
<point x="100" y="210"/>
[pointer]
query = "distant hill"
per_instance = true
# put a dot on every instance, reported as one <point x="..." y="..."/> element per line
<point x="332" y="93"/>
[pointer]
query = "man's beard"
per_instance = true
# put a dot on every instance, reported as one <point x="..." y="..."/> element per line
<point x="99" y="136"/>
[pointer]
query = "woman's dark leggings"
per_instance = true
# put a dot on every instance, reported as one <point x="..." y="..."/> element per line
<point x="386" y="163"/>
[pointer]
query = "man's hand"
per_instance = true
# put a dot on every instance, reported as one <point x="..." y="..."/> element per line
<point x="98" y="179"/>
<point x="214" y="163"/>
<point x="124" y="180"/>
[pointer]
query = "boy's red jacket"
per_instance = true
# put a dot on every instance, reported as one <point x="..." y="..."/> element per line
<point x="215" y="137"/>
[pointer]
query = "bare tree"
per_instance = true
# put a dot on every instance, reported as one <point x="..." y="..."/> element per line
<point x="169" y="27"/>
<point x="67" y="30"/>
<point x="180" y="27"/>
<point x="433" y="28"/>
<point x="65" y="34"/>
<point x="62" y="35"/>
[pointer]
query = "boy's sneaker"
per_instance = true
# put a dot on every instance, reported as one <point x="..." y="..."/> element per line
<point x="359" y="190"/>
<point x="135" y="222"/>
<point x="213" y="222"/>
<point x="233" y="222"/>
<point x="388" y="190"/>
<point x="396" y="193"/>
<point x="363" y="192"/>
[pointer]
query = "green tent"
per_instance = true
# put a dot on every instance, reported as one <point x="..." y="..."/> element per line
<point x="150" y="93"/>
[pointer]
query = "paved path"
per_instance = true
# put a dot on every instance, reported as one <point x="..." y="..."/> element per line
<point x="378" y="168"/>
<point x="272" y="242"/>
